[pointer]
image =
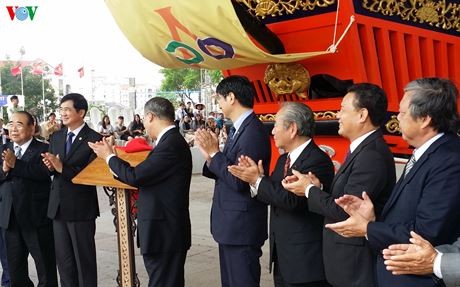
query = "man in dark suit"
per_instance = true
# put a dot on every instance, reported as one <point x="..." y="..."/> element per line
<point x="426" y="198"/>
<point x="238" y="222"/>
<point x="368" y="167"/>
<point x="295" y="232"/>
<point x="24" y="192"/>
<point x="163" y="179"/>
<point x="73" y="207"/>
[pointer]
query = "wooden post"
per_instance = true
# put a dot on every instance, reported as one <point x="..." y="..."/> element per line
<point x="97" y="173"/>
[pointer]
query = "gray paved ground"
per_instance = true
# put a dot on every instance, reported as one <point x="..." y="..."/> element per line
<point x="202" y="264"/>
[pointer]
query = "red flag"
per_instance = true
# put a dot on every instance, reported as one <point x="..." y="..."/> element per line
<point x="16" y="70"/>
<point x="37" y="68"/>
<point x="58" y="70"/>
<point x="81" y="71"/>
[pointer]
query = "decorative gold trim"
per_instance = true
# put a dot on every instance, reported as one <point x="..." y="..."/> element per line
<point x="124" y="238"/>
<point x="287" y="78"/>
<point x="392" y="125"/>
<point x="263" y="8"/>
<point x="267" y="118"/>
<point x="327" y="115"/>
<point x="440" y="14"/>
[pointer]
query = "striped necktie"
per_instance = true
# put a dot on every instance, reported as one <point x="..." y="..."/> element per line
<point x="18" y="152"/>
<point x="409" y="165"/>
<point x="287" y="165"/>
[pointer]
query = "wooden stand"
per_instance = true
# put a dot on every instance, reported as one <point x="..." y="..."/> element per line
<point x="98" y="173"/>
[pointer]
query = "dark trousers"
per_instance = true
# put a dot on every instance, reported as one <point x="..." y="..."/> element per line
<point x="281" y="282"/>
<point x="4" y="262"/>
<point x="239" y="265"/>
<point x="76" y="252"/>
<point x="38" y="241"/>
<point x="165" y="269"/>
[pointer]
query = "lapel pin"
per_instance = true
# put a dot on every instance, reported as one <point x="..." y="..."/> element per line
<point x="79" y="138"/>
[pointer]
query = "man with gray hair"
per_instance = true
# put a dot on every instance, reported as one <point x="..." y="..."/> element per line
<point x="295" y="232"/>
<point x="426" y="198"/>
<point x="368" y="166"/>
<point x="163" y="179"/>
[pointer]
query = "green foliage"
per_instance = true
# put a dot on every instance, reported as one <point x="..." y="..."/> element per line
<point x="180" y="82"/>
<point x="172" y="97"/>
<point x="32" y="89"/>
<point x="216" y="76"/>
<point x="180" y="79"/>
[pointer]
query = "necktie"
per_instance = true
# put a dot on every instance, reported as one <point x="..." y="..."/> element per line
<point x="287" y="165"/>
<point x="230" y="135"/>
<point x="68" y="143"/>
<point x="409" y="165"/>
<point x="347" y="155"/>
<point x="18" y="152"/>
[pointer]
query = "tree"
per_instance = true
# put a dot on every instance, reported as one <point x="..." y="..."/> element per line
<point x="185" y="81"/>
<point x="216" y="76"/>
<point x="32" y="89"/>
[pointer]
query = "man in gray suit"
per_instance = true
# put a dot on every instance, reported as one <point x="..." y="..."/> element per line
<point x="421" y="258"/>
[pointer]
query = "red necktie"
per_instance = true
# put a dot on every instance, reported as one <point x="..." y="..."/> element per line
<point x="286" y="165"/>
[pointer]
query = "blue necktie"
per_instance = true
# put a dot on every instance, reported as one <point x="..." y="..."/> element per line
<point x="68" y="143"/>
<point x="18" y="152"/>
<point x="230" y="135"/>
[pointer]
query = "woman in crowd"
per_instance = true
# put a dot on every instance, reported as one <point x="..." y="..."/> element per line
<point x="136" y="127"/>
<point x="106" y="129"/>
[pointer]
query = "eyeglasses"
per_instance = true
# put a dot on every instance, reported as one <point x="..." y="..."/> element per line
<point x="65" y="110"/>
<point x="11" y="126"/>
<point x="152" y="113"/>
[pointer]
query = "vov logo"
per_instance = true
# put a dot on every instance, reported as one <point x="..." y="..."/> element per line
<point x="22" y="13"/>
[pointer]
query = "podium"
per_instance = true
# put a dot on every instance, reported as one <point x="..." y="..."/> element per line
<point x="97" y="173"/>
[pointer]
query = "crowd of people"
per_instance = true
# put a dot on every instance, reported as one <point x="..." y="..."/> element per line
<point x="354" y="227"/>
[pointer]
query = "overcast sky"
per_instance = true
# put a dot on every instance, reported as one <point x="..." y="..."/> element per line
<point x="76" y="33"/>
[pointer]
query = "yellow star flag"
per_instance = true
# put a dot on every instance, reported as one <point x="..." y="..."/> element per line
<point x="192" y="33"/>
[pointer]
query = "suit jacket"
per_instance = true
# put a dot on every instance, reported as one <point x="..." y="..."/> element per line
<point x="69" y="201"/>
<point x="236" y="218"/>
<point x="426" y="201"/>
<point x="450" y="263"/>
<point x="370" y="168"/>
<point x="163" y="179"/>
<point x="25" y="189"/>
<point x="295" y="232"/>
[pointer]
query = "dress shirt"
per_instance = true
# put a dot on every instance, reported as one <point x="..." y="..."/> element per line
<point x="422" y="149"/>
<point x="353" y="145"/>
<point x="237" y="124"/>
<point x="75" y="131"/>
<point x="437" y="265"/>
<point x="162" y="133"/>
<point x="294" y="155"/>
<point x="23" y="147"/>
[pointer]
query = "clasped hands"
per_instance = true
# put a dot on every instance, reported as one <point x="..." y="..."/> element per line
<point x="247" y="169"/>
<point x="361" y="211"/>
<point x="415" y="258"/>
<point x="207" y="142"/>
<point x="9" y="160"/>
<point x="103" y="148"/>
<point x="52" y="162"/>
